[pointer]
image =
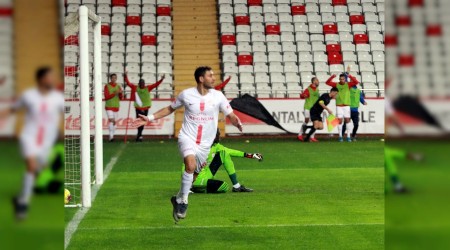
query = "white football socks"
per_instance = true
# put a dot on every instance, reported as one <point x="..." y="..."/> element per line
<point x="340" y="129"/>
<point x="237" y="185"/>
<point x="349" y="129"/>
<point x="27" y="188"/>
<point x="111" y="130"/>
<point x="186" y="183"/>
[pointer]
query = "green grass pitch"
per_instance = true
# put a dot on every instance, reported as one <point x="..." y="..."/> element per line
<point x="325" y="195"/>
<point x="420" y="219"/>
<point x="44" y="226"/>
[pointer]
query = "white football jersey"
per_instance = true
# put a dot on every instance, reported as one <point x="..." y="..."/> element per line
<point x="201" y="114"/>
<point x="42" y="119"/>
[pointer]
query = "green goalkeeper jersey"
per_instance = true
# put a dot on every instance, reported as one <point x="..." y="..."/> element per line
<point x="216" y="147"/>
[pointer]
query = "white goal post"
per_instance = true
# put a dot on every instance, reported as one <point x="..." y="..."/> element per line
<point x="85" y="89"/>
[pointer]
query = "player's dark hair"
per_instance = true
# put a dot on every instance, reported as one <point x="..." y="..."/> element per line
<point x="141" y="80"/>
<point x="342" y="75"/>
<point x="334" y="89"/>
<point x="312" y="79"/>
<point x="42" y="72"/>
<point x="113" y="74"/>
<point x="200" y="71"/>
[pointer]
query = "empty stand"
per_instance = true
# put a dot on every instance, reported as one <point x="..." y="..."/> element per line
<point x="136" y="37"/>
<point x="276" y="46"/>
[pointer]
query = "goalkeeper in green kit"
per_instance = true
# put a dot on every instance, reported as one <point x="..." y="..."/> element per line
<point x="220" y="155"/>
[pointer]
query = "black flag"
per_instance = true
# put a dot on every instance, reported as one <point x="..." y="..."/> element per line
<point x="249" y="105"/>
<point x="414" y="108"/>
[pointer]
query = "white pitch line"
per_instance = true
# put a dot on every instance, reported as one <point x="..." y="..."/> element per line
<point x="72" y="227"/>
<point x="234" y="226"/>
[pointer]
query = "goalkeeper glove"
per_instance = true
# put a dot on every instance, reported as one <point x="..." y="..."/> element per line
<point x="256" y="156"/>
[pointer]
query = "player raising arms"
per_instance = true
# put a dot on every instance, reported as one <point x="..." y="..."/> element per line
<point x="142" y="99"/>
<point x="343" y="101"/>
<point x="113" y="93"/>
<point x="317" y="109"/>
<point x="202" y="105"/>
<point x="311" y="95"/>
<point x="44" y="107"/>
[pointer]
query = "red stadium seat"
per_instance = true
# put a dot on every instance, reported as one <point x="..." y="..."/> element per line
<point x="245" y="59"/>
<point x="360" y="39"/>
<point x="273" y="29"/>
<point x="228" y="39"/>
<point x="106" y="30"/>
<point x="406" y="60"/>
<point x="4" y="11"/>
<point x="415" y="3"/>
<point x="148" y="40"/>
<point x="357" y="19"/>
<point x="242" y="20"/>
<point x="330" y="28"/>
<point x="403" y="21"/>
<point x="70" y="70"/>
<point x="390" y="40"/>
<point x="119" y="3"/>
<point x="339" y="2"/>
<point x="71" y="40"/>
<point x="133" y="20"/>
<point x="163" y="11"/>
<point x="254" y="2"/>
<point x="298" y="10"/>
<point x="334" y="58"/>
<point x="434" y="30"/>
<point x="333" y="48"/>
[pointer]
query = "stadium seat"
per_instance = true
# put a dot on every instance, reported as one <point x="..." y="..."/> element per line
<point x="273" y="29"/>
<point x="261" y="78"/>
<point x="360" y="39"/>
<point x="230" y="68"/>
<point x="122" y="3"/>
<point x="163" y="11"/>
<point x="336" y="69"/>
<point x="330" y="29"/>
<point x="298" y="10"/>
<point x="242" y="20"/>
<point x="366" y="67"/>
<point x="290" y="67"/>
<point x="245" y="60"/>
<point x="335" y="58"/>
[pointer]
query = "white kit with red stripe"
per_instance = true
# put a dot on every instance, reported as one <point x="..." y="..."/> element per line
<point x="201" y="116"/>
<point x="42" y="120"/>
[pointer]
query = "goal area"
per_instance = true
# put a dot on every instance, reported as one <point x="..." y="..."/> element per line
<point x="83" y="106"/>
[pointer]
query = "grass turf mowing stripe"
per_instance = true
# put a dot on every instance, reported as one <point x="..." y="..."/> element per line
<point x="78" y="217"/>
<point x="232" y="226"/>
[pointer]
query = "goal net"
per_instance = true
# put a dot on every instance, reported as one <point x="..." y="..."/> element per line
<point x="83" y="105"/>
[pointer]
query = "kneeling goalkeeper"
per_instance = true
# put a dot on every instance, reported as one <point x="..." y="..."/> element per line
<point x="220" y="155"/>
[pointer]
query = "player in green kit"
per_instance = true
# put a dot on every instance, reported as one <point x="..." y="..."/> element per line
<point x="343" y="102"/>
<point x="311" y="95"/>
<point x="317" y="110"/>
<point x="390" y="156"/>
<point x="220" y="155"/>
<point x="142" y="97"/>
<point x="356" y="97"/>
<point x="113" y="93"/>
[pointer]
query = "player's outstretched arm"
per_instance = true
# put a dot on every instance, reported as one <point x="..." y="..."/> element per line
<point x="223" y="84"/>
<point x="142" y="120"/>
<point x="235" y="121"/>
